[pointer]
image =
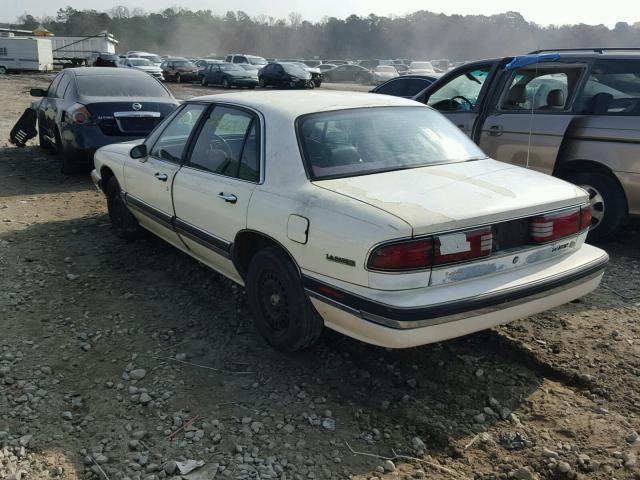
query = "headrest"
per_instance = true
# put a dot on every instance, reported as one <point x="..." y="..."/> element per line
<point x="555" y="98"/>
<point x="517" y="94"/>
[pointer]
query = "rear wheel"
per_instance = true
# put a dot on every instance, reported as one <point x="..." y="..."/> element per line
<point x="124" y="224"/>
<point x="178" y="78"/>
<point x="225" y="83"/>
<point x="3" y="70"/>
<point x="607" y="201"/>
<point x="282" y="312"/>
<point x="203" y="81"/>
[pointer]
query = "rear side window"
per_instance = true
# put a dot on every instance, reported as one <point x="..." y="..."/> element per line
<point x="613" y="88"/>
<point x="228" y="144"/>
<point x="394" y="87"/>
<point x="51" y="91"/>
<point x="120" y="86"/>
<point x="540" y="89"/>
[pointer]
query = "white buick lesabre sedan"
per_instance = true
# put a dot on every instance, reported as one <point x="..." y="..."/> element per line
<point x="369" y="214"/>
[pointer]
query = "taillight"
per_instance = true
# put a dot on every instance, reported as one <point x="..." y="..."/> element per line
<point x="585" y="218"/>
<point x="410" y="255"/>
<point x="79" y="115"/>
<point x="547" y="228"/>
<point x="432" y="251"/>
<point x="458" y="247"/>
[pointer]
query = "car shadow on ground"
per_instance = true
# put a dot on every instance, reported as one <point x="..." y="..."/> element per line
<point x="35" y="171"/>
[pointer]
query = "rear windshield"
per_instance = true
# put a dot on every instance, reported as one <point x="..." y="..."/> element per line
<point x="152" y="58"/>
<point x="183" y="64"/>
<point x="120" y="86"/>
<point x="140" y="62"/>
<point x="256" y="60"/>
<point x="348" y="143"/>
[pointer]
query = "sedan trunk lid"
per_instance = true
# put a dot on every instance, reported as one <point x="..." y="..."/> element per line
<point x="459" y="195"/>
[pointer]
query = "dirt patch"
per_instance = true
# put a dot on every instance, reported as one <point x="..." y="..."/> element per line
<point x="116" y="360"/>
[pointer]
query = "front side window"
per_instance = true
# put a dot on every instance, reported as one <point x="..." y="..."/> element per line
<point x="394" y="87"/>
<point x="228" y="144"/>
<point x="173" y="140"/>
<point x="460" y="94"/>
<point x="613" y="88"/>
<point x="347" y="143"/>
<point x="540" y="89"/>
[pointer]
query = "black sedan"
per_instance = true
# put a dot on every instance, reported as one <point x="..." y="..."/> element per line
<point x="406" y="86"/>
<point x="285" y="75"/>
<point x="349" y="73"/>
<point x="86" y="108"/>
<point x="228" y="75"/>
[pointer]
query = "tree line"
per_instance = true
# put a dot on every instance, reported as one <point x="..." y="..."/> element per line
<point x="421" y="35"/>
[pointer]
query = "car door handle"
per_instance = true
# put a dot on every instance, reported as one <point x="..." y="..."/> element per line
<point x="161" y="176"/>
<point x="495" y="130"/>
<point x="228" y="197"/>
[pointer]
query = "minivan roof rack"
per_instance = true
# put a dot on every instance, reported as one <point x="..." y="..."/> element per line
<point x="595" y="50"/>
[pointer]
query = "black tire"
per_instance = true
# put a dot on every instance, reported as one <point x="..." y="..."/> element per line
<point x="178" y="78"/>
<point x="67" y="165"/>
<point x="252" y="87"/>
<point x="609" y="205"/>
<point x="225" y="83"/>
<point x="262" y="82"/>
<point x="203" y="81"/>
<point x="282" y="312"/>
<point x="124" y="224"/>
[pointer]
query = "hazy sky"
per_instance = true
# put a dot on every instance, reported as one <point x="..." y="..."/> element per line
<point x="544" y="12"/>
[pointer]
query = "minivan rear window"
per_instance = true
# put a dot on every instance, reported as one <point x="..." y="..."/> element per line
<point x="361" y="141"/>
<point x="120" y="86"/>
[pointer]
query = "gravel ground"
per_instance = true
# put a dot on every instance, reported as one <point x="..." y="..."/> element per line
<point x="131" y="361"/>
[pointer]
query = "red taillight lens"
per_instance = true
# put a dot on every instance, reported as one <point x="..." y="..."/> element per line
<point x="411" y="255"/>
<point x="458" y="247"/>
<point x="80" y="115"/>
<point x="585" y="220"/>
<point x="546" y="228"/>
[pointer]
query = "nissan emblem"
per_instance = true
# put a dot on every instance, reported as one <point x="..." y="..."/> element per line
<point x="136" y="106"/>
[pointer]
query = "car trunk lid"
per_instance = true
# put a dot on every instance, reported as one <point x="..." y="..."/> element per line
<point x="459" y="195"/>
<point x="128" y="117"/>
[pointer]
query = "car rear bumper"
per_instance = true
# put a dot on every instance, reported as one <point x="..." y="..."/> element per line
<point x="80" y="143"/>
<point x="416" y="317"/>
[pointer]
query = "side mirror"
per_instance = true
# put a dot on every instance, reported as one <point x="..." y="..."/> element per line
<point x="139" y="151"/>
<point x="38" y="92"/>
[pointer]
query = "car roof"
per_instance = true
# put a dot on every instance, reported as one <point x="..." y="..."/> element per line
<point x="103" y="71"/>
<point x="293" y="104"/>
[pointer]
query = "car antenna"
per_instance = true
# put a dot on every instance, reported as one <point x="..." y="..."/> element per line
<point x="531" y="122"/>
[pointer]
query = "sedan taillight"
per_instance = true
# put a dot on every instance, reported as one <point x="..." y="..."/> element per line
<point x="547" y="228"/>
<point x="432" y="251"/>
<point x="79" y="115"/>
<point x="459" y="247"/>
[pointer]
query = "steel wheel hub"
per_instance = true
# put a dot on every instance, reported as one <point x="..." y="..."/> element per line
<point x="596" y="205"/>
<point x="273" y="300"/>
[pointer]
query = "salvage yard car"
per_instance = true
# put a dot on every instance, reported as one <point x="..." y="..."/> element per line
<point x="573" y="114"/>
<point x="285" y="75"/>
<point x="228" y="75"/>
<point x="86" y="108"/>
<point x="369" y="214"/>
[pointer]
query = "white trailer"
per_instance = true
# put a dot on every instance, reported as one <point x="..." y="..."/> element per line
<point x="77" y="50"/>
<point x="25" y="54"/>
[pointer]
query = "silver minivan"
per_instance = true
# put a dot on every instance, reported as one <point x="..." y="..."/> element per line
<point x="569" y="113"/>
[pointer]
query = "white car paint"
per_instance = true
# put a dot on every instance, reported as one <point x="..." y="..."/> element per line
<point x="348" y="217"/>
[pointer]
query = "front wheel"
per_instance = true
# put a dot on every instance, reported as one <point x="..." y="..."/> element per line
<point x="282" y="312"/>
<point x="225" y="83"/>
<point x="607" y="202"/>
<point x="3" y="70"/>
<point x="203" y="81"/>
<point x="262" y="82"/>
<point x="124" y="224"/>
<point x="178" y="78"/>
